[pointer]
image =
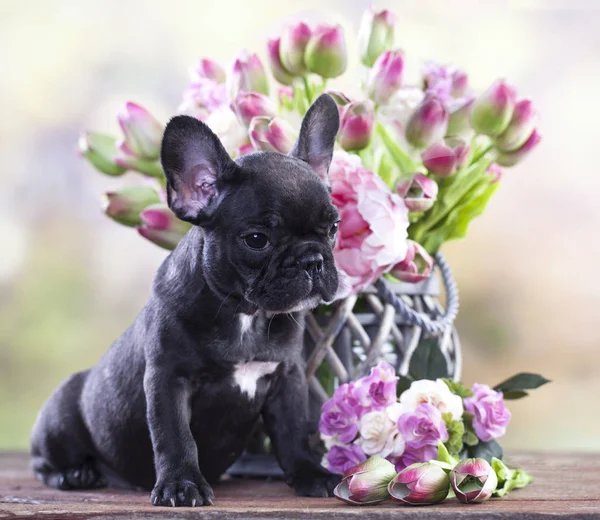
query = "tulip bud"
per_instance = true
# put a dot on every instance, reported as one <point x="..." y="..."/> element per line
<point x="247" y="73"/>
<point x="280" y="73"/>
<point x="512" y="158"/>
<point x="495" y="172"/>
<point x="444" y="159"/>
<point x="460" y="83"/>
<point x="420" y="484"/>
<point x="125" y="205"/>
<point x="519" y="129"/>
<point x="251" y="104"/>
<point x="126" y="159"/>
<point x="245" y="149"/>
<point x="292" y="47"/>
<point x="440" y="160"/>
<point x="428" y="123"/>
<point x="416" y="266"/>
<point x="161" y="226"/>
<point x="493" y="110"/>
<point x="356" y="125"/>
<point x="274" y="134"/>
<point x="326" y="53"/>
<point x="419" y="192"/>
<point x="339" y="97"/>
<point x="141" y="131"/>
<point x="366" y="483"/>
<point x="385" y="78"/>
<point x="209" y="69"/>
<point x="459" y="119"/>
<point x="375" y="35"/>
<point x="473" y="481"/>
<point x="101" y="151"/>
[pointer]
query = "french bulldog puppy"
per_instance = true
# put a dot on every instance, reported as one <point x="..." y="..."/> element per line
<point x="171" y="404"/>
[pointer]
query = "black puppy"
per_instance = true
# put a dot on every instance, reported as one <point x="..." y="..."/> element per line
<point x="171" y="404"/>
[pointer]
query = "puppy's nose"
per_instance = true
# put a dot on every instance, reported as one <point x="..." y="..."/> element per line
<point x="312" y="263"/>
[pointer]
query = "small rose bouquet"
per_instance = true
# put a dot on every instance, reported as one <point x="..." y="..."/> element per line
<point x="418" y="158"/>
<point x="420" y="430"/>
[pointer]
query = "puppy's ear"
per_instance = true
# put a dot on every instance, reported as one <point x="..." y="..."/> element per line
<point x="196" y="165"/>
<point x="317" y="136"/>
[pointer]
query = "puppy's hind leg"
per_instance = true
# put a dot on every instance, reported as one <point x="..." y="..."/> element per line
<point x="61" y="454"/>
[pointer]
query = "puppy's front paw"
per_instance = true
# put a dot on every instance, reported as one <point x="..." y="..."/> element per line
<point x="321" y="485"/>
<point x="182" y="493"/>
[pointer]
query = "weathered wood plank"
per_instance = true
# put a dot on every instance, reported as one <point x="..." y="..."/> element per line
<point x="566" y="485"/>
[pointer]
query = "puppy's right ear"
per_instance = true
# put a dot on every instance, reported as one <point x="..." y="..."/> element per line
<point x="196" y="165"/>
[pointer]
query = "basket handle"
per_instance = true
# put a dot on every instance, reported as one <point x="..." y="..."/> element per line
<point x="434" y="327"/>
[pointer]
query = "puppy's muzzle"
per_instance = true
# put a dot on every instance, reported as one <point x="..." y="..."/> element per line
<point x="312" y="264"/>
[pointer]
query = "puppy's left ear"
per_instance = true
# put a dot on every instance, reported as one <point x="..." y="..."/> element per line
<point x="196" y="166"/>
<point x="317" y="136"/>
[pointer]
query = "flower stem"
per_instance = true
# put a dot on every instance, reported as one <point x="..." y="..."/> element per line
<point x="482" y="152"/>
<point x="307" y="89"/>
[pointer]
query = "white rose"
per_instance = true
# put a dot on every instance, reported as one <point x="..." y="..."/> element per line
<point x="435" y="393"/>
<point x="377" y="434"/>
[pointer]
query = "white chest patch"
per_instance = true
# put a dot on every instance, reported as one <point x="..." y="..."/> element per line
<point x="246" y="375"/>
<point x="246" y="321"/>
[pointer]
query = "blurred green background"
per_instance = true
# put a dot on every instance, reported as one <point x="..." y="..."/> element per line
<point x="71" y="281"/>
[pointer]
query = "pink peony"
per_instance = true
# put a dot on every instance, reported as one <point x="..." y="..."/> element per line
<point x="423" y="427"/>
<point x="340" y="459"/>
<point x="377" y="390"/>
<point x="490" y="416"/>
<point x="373" y="232"/>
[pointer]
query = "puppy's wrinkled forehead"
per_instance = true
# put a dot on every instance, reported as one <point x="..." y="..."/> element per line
<point x="287" y="187"/>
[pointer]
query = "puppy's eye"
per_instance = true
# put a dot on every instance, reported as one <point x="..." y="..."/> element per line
<point x="333" y="230"/>
<point x="256" y="240"/>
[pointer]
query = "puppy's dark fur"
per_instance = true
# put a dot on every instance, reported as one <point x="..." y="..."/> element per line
<point x="171" y="404"/>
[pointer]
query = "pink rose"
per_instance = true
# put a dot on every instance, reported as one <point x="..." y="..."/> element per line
<point x="490" y="416"/>
<point x="373" y="232"/>
<point x="377" y="390"/>
<point x="340" y="459"/>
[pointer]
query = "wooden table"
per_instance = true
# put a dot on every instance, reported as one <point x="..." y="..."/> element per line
<point x="565" y="485"/>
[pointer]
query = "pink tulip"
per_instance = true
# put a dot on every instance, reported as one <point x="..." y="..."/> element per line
<point x="293" y="46"/>
<point x="492" y="111"/>
<point x="419" y="192"/>
<point x="142" y="132"/>
<point x="416" y="266"/>
<point x="339" y="97"/>
<point x="375" y="35"/>
<point x="428" y="123"/>
<point x="326" y="53"/>
<point x="420" y="484"/>
<point x="459" y="119"/>
<point x="473" y="481"/>
<point x="366" y="483"/>
<point x="247" y="73"/>
<point x="161" y="226"/>
<point x="101" y="151"/>
<point x="271" y="134"/>
<point x="251" y="104"/>
<point x="124" y="206"/>
<point x="446" y="82"/>
<point x="512" y="158"/>
<point x="208" y="69"/>
<point x="385" y="78"/>
<point x="444" y="159"/>
<point x="280" y="73"/>
<point x="495" y="172"/>
<point x="356" y="125"/>
<point x="519" y="129"/>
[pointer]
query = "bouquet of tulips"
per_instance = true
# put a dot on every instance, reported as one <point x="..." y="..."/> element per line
<point x="418" y="158"/>
<point x="405" y="438"/>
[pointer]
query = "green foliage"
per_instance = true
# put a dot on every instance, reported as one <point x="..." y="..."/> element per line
<point x="514" y="387"/>
<point x="509" y="479"/>
<point x="403" y="161"/>
<point x="404" y="383"/>
<point x="486" y="450"/>
<point x="428" y="362"/>
<point x="456" y="432"/>
<point x="456" y="387"/>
